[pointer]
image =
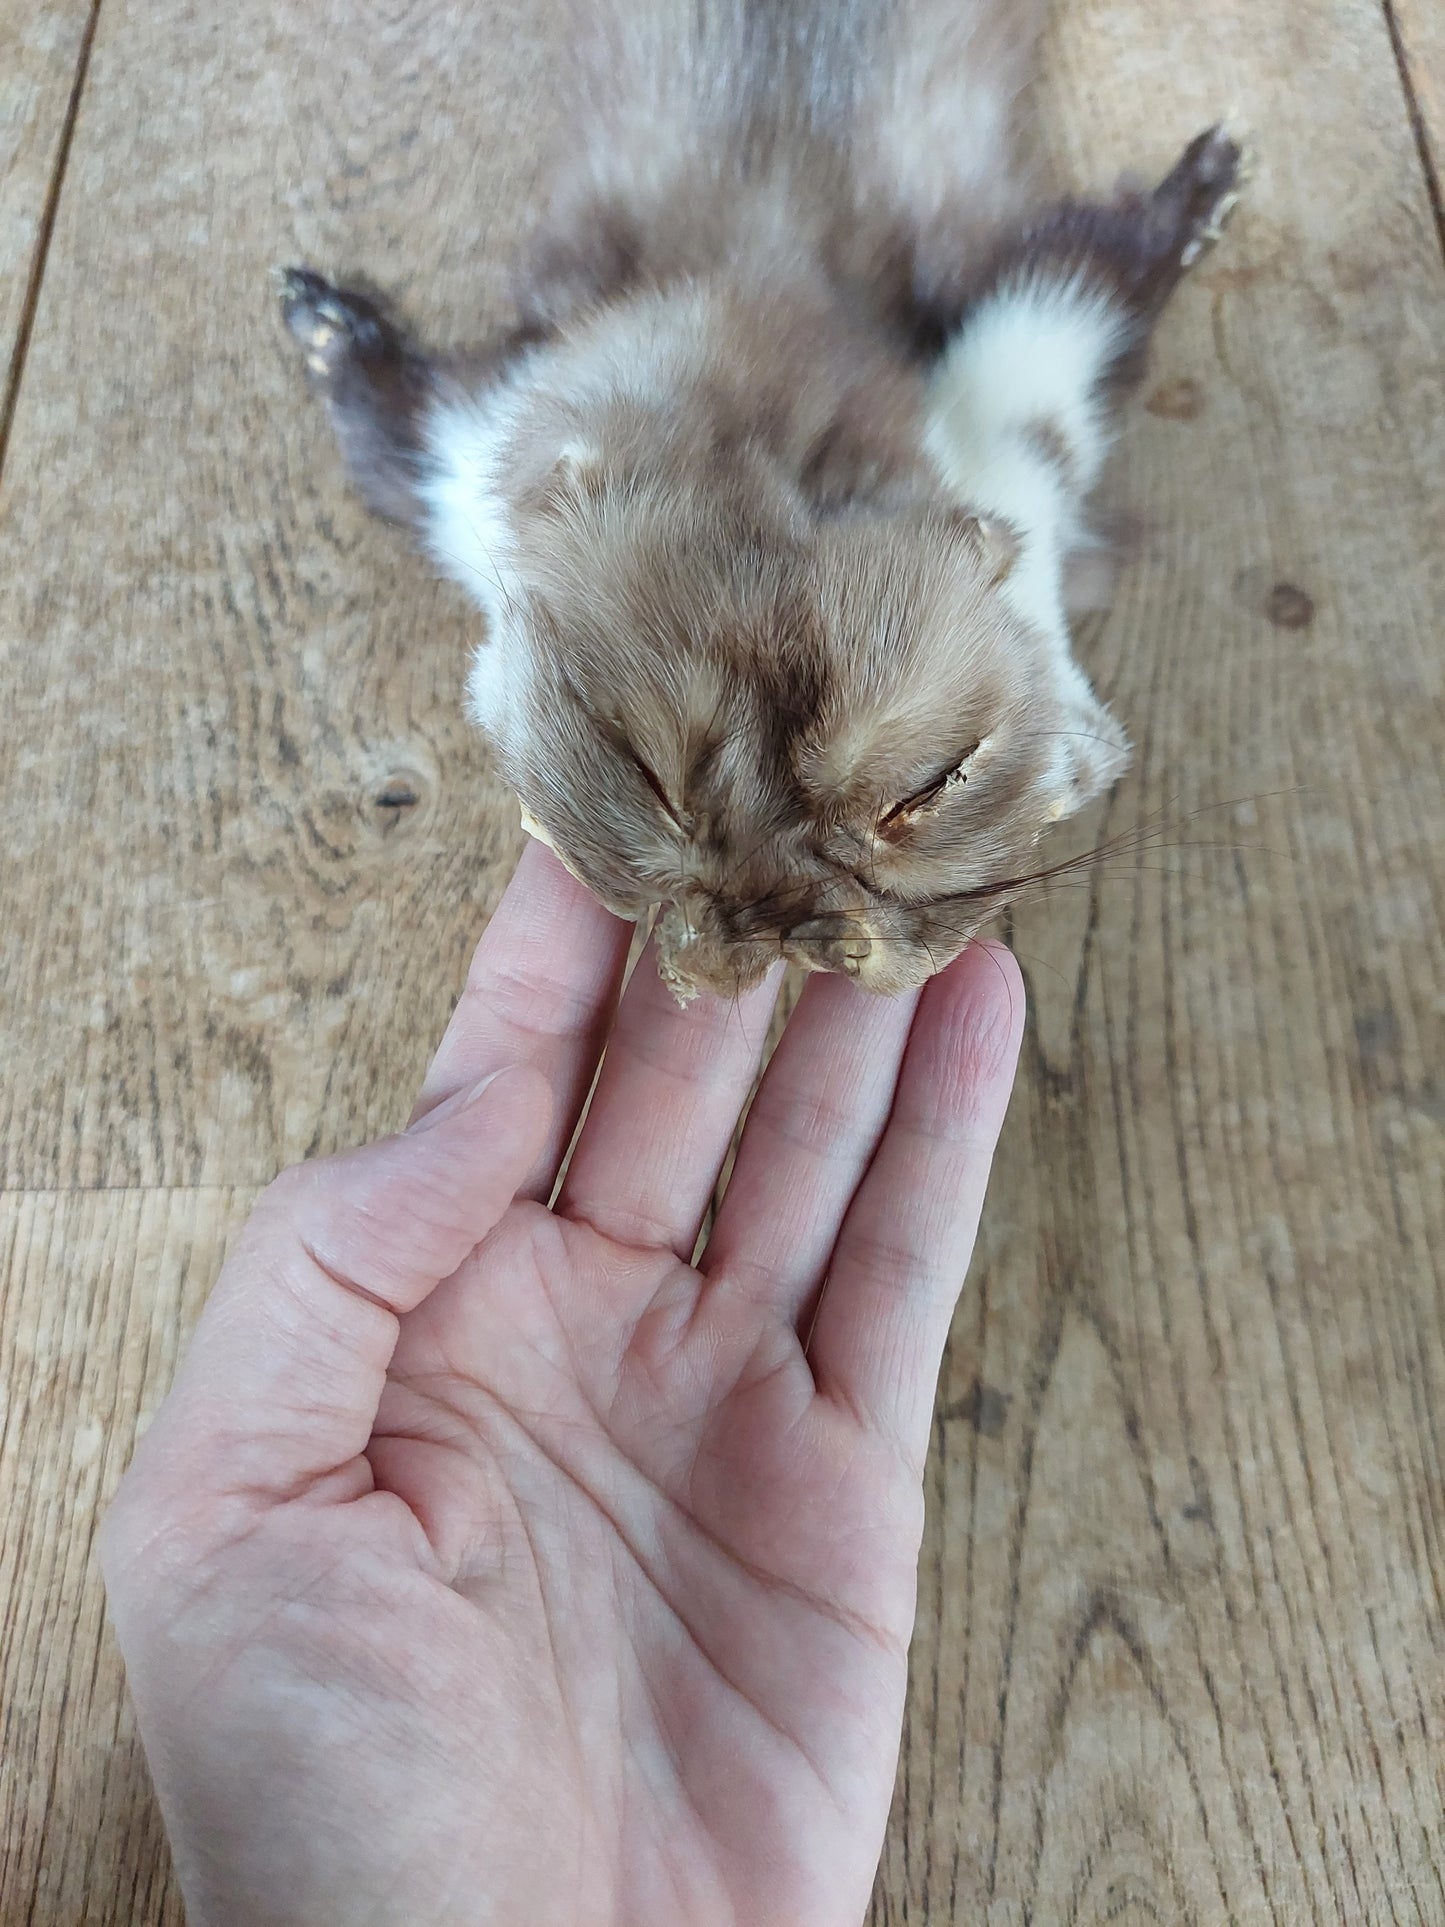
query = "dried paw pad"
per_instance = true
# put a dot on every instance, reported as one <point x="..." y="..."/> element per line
<point x="1199" y="196"/>
<point x="329" y="323"/>
<point x="683" y="989"/>
<point x="673" y="935"/>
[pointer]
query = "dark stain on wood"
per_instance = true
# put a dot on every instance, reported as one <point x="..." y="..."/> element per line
<point x="1289" y="607"/>
<point x="1179" y="400"/>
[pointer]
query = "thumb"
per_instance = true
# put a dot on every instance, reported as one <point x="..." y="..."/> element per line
<point x="284" y="1374"/>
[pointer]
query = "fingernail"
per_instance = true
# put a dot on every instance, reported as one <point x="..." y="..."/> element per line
<point x="461" y="1100"/>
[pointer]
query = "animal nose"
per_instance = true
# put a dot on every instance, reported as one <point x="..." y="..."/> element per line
<point x="830" y="943"/>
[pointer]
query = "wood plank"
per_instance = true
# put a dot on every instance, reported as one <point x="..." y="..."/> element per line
<point x="1418" y="27"/>
<point x="219" y="666"/>
<point x="97" y="1291"/>
<point x="41" y="49"/>
<point x="1178" y="1655"/>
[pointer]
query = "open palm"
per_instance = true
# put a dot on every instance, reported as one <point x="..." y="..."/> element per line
<point x="575" y="1587"/>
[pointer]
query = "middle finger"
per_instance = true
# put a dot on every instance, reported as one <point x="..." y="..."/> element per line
<point x="672" y="1084"/>
<point x="810" y="1134"/>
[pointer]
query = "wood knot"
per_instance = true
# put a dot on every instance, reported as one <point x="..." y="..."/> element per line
<point x="1180" y="400"/>
<point x="1284" y="604"/>
<point x="983" y="1407"/>
<point x="1288" y="607"/>
<point x="396" y="795"/>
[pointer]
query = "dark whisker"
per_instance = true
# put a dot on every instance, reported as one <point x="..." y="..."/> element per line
<point x="1073" y="735"/>
<point x="1025" y="956"/>
<point x="772" y="829"/>
<point x="493" y="580"/>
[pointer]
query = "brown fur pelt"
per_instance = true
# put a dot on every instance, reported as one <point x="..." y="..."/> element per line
<point x="773" y="490"/>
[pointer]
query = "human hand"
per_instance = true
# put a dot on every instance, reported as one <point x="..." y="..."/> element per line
<point x="489" y="1563"/>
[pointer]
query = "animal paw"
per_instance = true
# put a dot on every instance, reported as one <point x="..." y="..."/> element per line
<point x="1193" y="202"/>
<point x="333" y="326"/>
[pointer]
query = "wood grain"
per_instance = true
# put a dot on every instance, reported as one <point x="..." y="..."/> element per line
<point x="98" y="1288"/>
<point x="1418" y="31"/>
<point x="1179" y="1654"/>
<point x="42" y="53"/>
<point x="225" y="666"/>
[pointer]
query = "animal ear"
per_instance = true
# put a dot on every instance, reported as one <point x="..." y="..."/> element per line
<point x="1094" y="752"/>
<point x="579" y="470"/>
<point x="994" y="541"/>
<point x="578" y="476"/>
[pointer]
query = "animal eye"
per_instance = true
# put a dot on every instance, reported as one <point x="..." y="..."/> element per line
<point x="614" y="733"/>
<point x="931" y="795"/>
<point x="654" y="783"/>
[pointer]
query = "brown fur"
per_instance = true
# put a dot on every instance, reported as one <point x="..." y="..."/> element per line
<point x="770" y="680"/>
<point x="788" y="688"/>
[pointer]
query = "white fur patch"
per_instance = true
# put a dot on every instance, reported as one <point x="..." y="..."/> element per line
<point x="643" y="356"/>
<point x="1030" y="357"/>
<point x="471" y="539"/>
<point x="1029" y="360"/>
<point x="1034" y="352"/>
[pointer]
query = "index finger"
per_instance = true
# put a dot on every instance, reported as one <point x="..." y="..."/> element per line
<point x="541" y="990"/>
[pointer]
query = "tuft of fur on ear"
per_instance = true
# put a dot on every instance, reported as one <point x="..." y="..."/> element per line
<point x="578" y="476"/>
<point x="996" y="543"/>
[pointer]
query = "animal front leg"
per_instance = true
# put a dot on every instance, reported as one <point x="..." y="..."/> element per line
<point x="376" y="385"/>
<point x="1026" y="396"/>
<point x="1058" y="328"/>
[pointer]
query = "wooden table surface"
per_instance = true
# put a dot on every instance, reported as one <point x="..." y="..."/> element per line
<point x="1179" y="1653"/>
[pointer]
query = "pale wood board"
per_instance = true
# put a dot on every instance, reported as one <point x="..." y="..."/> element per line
<point x="1179" y="1647"/>
<point x="40" y="52"/>
<point x="223" y="664"/>
<point x="1419" y="27"/>
<point x="1179" y="1658"/>
<point x="98" y="1290"/>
